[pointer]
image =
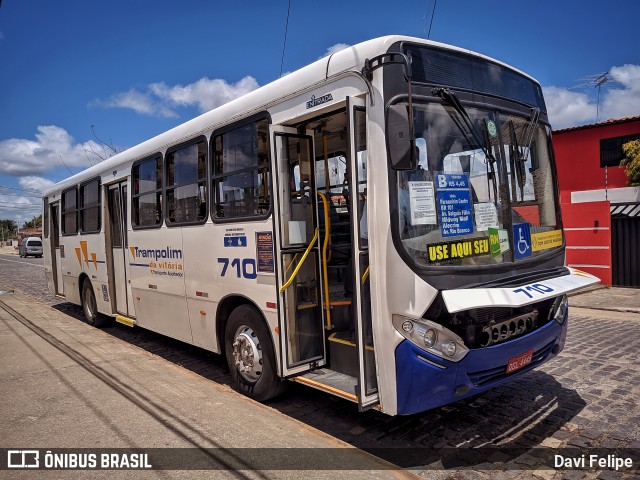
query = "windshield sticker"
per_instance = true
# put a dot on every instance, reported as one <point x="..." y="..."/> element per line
<point x="491" y="128"/>
<point x="422" y="202"/>
<point x="499" y="241"/>
<point x="521" y="240"/>
<point x="486" y="215"/>
<point x="454" y="201"/>
<point x="439" y="252"/>
<point x="545" y="240"/>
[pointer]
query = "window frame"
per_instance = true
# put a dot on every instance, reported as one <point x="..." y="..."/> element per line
<point x="206" y="179"/>
<point x="215" y="177"/>
<point x="134" y="195"/>
<point x="64" y="212"/>
<point x="82" y="207"/>
<point x="45" y="217"/>
<point x="618" y="149"/>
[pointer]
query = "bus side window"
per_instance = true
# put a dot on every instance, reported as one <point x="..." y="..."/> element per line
<point x="240" y="171"/>
<point x="186" y="177"/>
<point x="146" y="197"/>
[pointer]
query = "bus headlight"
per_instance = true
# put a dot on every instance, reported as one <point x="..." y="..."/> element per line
<point x="559" y="309"/>
<point x="432" y="337"/>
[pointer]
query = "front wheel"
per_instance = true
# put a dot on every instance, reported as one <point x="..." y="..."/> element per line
<point x="250" y="355"/>
<point x="90" y="306"/>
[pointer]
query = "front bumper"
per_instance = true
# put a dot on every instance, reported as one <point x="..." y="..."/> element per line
<point x="425" y="381"/>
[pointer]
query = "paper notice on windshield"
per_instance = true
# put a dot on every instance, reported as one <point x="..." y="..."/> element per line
<point x="486" y="216"/>
<point x="422" y="203"/>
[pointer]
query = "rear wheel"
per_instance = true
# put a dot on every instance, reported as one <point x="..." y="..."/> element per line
<point x="90" y="306"/>
<point x="250" y="355"/>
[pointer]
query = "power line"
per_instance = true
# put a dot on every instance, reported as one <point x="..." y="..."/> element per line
<point x="20" y="195"/>
<point x="284" y="45"/>
<point x="22" y="189"/>
<point x="433" y="14"/>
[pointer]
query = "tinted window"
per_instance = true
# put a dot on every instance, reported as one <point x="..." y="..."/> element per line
<point x="90" y="207"/>
<point x="146" y="198"/>
<point x="453" y="69"/>
<point x="69" y="211"/>
<point x="242" y="179"/>
<point x="611" y="153"/>
<point x="186" y="184"/>
<point x="34" y="243"/>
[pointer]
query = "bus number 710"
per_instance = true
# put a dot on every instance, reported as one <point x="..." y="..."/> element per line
<point x="245" y="267"/>
<point x="536" y="288"/>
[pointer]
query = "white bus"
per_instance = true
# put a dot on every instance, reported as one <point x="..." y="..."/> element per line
<point x="383" y="225"/>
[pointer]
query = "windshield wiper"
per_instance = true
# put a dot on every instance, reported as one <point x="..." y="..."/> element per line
<point x="518" y="154"/>
<point x="470" y="132"/>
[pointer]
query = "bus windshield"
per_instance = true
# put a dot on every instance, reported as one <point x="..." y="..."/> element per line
<point x="472" y="204"/>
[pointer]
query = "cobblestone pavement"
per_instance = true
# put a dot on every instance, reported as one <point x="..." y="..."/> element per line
<point x="585" y="398"/>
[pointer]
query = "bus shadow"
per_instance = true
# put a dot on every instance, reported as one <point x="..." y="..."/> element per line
<point x="502" y="423"/>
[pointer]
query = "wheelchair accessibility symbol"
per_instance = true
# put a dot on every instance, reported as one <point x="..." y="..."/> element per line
<point x="521" y="240"/>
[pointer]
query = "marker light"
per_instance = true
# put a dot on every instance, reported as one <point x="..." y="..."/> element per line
<point x="559" y="309"/>
<point x="449" y="347"/>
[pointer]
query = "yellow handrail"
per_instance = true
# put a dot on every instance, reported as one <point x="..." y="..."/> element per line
<point x="327" y="236"/>
<point x="304" y="257"/>
<point x="365" y="275"/>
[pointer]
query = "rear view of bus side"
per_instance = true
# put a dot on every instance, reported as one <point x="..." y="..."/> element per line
<point x="382" y="225"/>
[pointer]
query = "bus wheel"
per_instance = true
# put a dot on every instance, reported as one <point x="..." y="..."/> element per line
<point x="250" y="355"/>
<point x="90" y="307"/>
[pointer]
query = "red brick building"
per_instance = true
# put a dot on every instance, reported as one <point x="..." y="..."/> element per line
<point x="601" y="213"/>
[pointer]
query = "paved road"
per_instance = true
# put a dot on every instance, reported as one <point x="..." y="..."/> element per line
<point x="585" y="398"/>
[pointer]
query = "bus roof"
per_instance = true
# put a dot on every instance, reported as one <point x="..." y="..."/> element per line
<point x="259" y="100"/>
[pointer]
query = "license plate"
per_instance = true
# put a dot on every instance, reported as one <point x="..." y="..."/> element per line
<point x="521" y="361"/>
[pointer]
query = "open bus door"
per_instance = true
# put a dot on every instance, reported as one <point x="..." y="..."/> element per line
<point x="301" y="322"/>
<point x="119" y="273"/>
<point x="367" y="387"/>
<point x="56" y="252"/>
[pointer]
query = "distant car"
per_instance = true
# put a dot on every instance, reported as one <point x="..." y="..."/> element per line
<point x="31" y="246"/>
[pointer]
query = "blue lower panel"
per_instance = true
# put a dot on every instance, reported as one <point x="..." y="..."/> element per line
<point x="425" y="381"/>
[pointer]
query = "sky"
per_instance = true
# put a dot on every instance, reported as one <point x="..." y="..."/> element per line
<point x="76" y="75"/>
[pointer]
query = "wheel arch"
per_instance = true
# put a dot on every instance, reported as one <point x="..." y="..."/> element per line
<point x="81" y="279"/>
<point x="227" y="305"/>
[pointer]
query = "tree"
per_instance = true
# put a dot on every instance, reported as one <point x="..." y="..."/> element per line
<point x="7" y="229"/>
<point x="631" y="162"/>
<point x="34" y="222"/>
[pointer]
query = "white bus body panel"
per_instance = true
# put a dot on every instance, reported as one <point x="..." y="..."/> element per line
<point x="467" y="298"/>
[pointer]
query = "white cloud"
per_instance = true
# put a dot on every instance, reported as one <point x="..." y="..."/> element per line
<point x="161" y="99"/>
<point x="137" y="101"/>
<point x="335" y="49"/>
<point x="37" y="184"/>
<point x="567" y="108"/>
<point x="619" y="98"/>
<point x="19" y="156"/>
<point x="205" y="93"/>
<point x="625" y="101"/>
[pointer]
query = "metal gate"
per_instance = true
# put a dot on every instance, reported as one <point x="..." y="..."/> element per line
<point x="625" y="244"/>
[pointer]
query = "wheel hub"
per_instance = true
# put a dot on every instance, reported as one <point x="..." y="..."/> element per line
<point x="247" y="353"/>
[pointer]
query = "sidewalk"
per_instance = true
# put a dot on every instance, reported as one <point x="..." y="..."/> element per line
<point x="8" y="251"/>
<point x="603" y="297"/>
<point x="68" y="385"/>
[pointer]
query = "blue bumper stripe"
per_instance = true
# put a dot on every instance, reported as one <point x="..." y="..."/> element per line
<point x="425" y="381"/>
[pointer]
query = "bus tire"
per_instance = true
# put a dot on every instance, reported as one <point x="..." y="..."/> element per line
<point x="250" y="355"/>
<point x="90" y="306"/>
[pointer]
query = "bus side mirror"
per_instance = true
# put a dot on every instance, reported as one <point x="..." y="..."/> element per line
<point x="400" y="141"/>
